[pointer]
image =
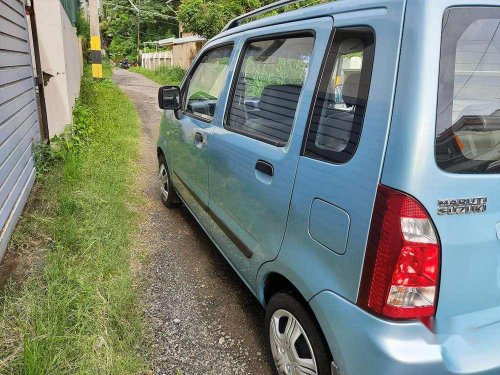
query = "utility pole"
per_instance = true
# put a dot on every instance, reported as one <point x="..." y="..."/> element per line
<point x="95" y="40"/>
<point x="139" y="32"/>
<point x="138" y="10"/>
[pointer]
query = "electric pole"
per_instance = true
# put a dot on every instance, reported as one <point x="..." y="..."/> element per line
<point x="139" y="32"/>
<point x="138" y="10"/>
<point x="95" y="40"/>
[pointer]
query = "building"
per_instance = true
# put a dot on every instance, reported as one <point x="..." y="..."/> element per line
<point x="40" y="70"/>
<point x="182" y="51"/>
<point x="61" y="59"/>
<point x="19" y="125"/>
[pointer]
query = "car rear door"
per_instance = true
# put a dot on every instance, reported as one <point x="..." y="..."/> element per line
<point x="254" y="155"/>
<point x="341" y="159"/>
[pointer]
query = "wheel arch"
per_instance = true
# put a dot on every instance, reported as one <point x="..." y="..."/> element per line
<point x="159" y="152"/>
<point x="275" y="282"/>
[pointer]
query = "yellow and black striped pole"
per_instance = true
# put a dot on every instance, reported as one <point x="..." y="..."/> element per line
<point x="95" y="50"/>
<point x="95" y="40"/>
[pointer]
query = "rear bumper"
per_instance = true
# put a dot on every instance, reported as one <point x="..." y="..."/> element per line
<point x="364" y="344"/>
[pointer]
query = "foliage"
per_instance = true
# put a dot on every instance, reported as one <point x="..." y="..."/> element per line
<point x="283" y="72"/>
<point x="163" y="75"/>
<point x="76" y="136"/>
<point x="119" y="25"/>
<point x="82" y="27"/>
<point x="75" y="309"/>
<point x="158" y="20"/>
<point x="208" y="17"/>
<point x="83" y="31"/>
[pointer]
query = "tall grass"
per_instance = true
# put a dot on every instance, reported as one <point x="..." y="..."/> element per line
<point x="163" y="75"/>
<point x="76" y="310"/>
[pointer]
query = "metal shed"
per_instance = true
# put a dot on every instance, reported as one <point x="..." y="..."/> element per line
<point x="19" y="128"/>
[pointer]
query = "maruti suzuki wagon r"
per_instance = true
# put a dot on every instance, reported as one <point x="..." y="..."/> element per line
<point x="345" y="159"/>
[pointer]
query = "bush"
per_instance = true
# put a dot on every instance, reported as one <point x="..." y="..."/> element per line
<point x="170" y="73"/>
<point x="163" y="75"/>
<point x="76" y="136"/>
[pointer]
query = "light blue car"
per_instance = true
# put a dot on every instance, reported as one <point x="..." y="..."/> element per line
<point x="345" y="159"/>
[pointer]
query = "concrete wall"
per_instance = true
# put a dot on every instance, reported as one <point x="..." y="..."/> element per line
<point x="61" y="58"/>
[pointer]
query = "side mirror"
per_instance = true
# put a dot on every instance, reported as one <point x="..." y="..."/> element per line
<point x="169" y="97"/>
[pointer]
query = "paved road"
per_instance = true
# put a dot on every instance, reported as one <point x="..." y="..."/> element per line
<point x="202" y="318"/>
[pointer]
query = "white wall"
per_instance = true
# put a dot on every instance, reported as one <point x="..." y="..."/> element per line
<point x="61" y="57"/>
<point x="152" y="60"/>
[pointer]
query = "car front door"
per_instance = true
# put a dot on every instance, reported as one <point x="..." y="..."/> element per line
<point x="192" y="125"/>
<point x="254" y="154"/>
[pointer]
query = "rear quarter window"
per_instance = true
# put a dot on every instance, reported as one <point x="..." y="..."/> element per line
<point x="468" y="113"/>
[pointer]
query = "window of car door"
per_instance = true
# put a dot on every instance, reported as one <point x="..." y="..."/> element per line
<point x="205" y="83"/>
<point x="269" y="80"/>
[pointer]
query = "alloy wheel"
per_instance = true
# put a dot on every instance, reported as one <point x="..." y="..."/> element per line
<point x="163" y="181"/>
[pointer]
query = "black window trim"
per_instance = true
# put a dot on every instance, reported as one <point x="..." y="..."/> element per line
<point x="189" y="75"/>
<point x="241" y="58"/>
<point x="329" y="58"/>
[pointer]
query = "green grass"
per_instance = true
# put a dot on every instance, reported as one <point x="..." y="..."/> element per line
<point x="163" y="75"/>
<point x="75" y="310"/>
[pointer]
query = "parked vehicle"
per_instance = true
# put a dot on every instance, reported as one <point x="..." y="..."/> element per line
<point x="124" y="64"/>
<point x="345" y="159"/>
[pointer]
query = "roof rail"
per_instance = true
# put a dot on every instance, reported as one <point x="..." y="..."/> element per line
<point x="276" y="5"/>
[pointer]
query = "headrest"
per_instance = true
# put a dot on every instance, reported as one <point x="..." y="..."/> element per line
<point x="350" y="89"/>
<point x="283" y="97"/>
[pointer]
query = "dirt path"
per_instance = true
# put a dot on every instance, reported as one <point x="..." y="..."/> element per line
<point x="203" y="319"/>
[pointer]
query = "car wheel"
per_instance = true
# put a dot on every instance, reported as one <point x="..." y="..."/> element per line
<point x="167" y="190"/>
<point x="297" y="344"/>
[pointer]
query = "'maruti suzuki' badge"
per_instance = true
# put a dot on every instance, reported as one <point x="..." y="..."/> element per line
<point x="462" y="206"/>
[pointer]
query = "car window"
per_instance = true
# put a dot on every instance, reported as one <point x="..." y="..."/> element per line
<point x="340" y="104"/>
<point x="206" y="82"/>
<point x="268" y="86"/>
<point x="468" y="118"/>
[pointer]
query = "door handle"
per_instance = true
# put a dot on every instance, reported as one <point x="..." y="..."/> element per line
<point x="265" y="167"/>
<point x="198" y="137"/>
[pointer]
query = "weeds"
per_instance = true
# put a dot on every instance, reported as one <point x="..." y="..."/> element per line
<point x="163" y="75"/>
<point x="76" y="310"/>
<point x="76" y="136"/>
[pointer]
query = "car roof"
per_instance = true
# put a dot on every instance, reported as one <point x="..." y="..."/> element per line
<point x="321" y="10"/>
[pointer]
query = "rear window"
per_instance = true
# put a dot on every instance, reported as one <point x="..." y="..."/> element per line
<point x="468" y="113"/>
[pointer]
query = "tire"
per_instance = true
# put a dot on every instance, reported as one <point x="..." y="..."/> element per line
<point x="167" y="191"/>
<point x="305" y="345"/>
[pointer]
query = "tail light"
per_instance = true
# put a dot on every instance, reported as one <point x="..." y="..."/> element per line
<point x="401" y="271"/>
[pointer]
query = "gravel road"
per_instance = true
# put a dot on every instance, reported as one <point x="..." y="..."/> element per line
<point x="202" y="318"/>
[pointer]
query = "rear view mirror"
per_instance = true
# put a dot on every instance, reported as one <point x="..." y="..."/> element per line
<point x="169" y="97"/>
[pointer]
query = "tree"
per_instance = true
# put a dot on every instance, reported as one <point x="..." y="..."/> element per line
<point x="207" y="17"/>
<point x="119" y="25"/>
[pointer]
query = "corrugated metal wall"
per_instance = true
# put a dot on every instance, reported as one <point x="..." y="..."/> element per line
<point x="18" y="116"/>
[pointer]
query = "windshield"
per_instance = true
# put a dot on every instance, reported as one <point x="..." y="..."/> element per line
<point x="468" y="119"/>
